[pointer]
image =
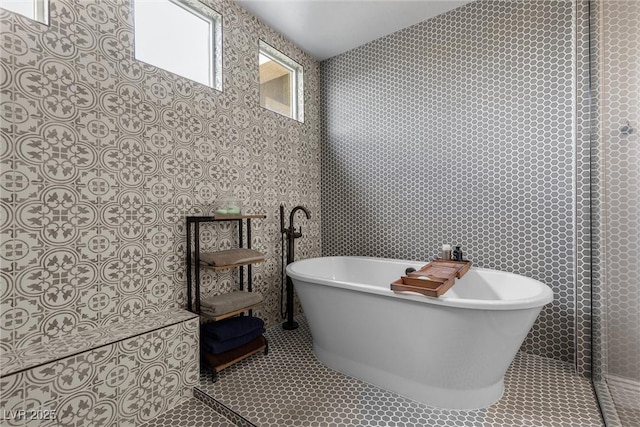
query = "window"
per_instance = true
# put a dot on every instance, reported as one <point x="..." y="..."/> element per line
<point x="180" y="36"/>
<point x="38" y="10"/>
<point x="281" y="83"/>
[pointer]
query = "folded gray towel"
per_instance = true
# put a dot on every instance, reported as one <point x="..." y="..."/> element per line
<point x="230" y="257"/>
<point x="226" y="303"/>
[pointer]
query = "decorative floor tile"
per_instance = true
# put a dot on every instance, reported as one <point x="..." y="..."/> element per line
<point x="289" y="387"/>
<point x="192" y="413"/>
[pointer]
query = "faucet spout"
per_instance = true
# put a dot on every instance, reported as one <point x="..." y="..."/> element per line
<point x="292" y="230"/>
<point x="296" y="209"/>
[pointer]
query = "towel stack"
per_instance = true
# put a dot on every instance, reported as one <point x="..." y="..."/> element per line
<point x="219" y="305"/>
<point x="230" y="257"/>
<point x="228" y="334"/>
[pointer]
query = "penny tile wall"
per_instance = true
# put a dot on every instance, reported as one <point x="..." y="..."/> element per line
<point x="459" y="130"/>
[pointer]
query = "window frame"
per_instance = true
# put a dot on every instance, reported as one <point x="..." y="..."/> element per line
<point x="40" y="11"/>
<point x="214" y="40"/>
<point x="297" y="78"/>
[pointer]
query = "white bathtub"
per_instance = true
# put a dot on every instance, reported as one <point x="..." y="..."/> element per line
<point x="450" y="352"/>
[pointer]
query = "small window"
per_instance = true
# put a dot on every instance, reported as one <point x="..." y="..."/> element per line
<point x="38" y="10"/>
<point x="180" y="36"/>
<point x="281" y="83"/>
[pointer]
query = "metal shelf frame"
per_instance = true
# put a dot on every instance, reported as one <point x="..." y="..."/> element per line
<point x="193" y="261"/>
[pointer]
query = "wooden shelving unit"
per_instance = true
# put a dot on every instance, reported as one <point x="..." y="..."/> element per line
<point x="221" y="361"/>
<point x="193" y="277"/>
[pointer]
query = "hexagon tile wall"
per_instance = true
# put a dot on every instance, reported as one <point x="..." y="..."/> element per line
<point x="460" y="130"/>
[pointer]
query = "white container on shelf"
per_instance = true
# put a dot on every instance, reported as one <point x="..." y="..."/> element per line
<point x="228" y="206"/>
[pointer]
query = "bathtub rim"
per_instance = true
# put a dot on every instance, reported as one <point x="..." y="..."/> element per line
<point x="544" y="297"/>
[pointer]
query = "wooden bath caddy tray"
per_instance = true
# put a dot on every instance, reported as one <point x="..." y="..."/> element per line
<point x="434" y="279"/>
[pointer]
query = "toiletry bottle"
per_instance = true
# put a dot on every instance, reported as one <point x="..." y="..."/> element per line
<point x="457" y="254"/>
<point x="446" y="251"/>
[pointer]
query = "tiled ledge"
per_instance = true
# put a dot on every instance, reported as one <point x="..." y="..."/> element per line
<point x="36" y="355"/>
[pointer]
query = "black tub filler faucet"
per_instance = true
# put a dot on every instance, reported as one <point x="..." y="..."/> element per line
<point x="291" y="234"/>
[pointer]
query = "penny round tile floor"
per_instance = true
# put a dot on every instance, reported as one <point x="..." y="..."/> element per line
<point x="290" y="387"/>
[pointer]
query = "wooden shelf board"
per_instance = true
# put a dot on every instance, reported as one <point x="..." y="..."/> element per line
<point x="231" y="313"/>
<point x="227" y="267"/>
<point x="228" y="358"/>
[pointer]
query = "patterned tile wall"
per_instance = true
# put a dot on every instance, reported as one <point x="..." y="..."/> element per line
<point x="103" y="156"/>
<point x="126" y="383"/>
<point x="82" y="342"/>
<point x="460" y="130"/>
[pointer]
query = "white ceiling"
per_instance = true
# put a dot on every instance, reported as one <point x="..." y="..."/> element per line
<point x="325" y="28"/>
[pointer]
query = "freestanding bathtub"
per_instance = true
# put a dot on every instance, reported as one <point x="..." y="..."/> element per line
<point x="450" y="352"/>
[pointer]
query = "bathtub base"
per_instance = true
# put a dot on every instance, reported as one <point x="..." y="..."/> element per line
<point x="429" y="395"/>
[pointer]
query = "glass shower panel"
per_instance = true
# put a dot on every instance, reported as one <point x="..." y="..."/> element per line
<point x="616" y="316"/>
